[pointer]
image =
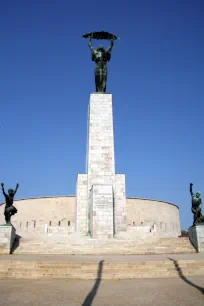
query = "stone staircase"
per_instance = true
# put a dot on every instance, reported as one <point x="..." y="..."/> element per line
<point x="88" y="246"/>
<point x="25" y="269"/>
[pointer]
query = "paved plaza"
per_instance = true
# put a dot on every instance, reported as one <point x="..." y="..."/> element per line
<point x="164" y="292"/>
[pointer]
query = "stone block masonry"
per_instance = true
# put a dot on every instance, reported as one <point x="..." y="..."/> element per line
<point x="196" y="235"/>
<point x="81" y="213"/>
<point x="100" y="141"/>
<point x="7" y="237"/>
<point x="120" y="209"/>
<point x="101" y="211"/>
<point x="101" y="183"/>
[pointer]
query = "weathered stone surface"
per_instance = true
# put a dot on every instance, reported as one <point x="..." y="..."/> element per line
<point x="76" y="244"/>
<point x="101" y="211"/>
<point x="49" y="211"/>
<point x="100" y="139"/>
<point x="196" y="235"/>
<point x="81" y="214"/>
<point x="120" y="209"/>
<point x="7" y="237"/>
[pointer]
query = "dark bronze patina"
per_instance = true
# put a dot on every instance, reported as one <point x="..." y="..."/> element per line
<point x="196" y="206"/>
<point x="100" y="56"/>
<point x="10" y="210"/>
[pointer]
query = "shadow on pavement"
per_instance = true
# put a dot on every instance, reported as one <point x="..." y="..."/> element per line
<point x="179" y="270"/>
<point x="16" y="243"/>
<point x="89" y="299"/>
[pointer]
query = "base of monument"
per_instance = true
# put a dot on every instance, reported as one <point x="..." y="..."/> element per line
<point x="85" y="245"/>
<point x="7" y="237"/>
<point x="196" y="235"/>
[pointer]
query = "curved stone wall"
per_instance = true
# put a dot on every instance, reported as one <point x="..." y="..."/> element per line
<point x="146" y="212"/>
<point x="33" y="214"/>
<point x="37" y="213"/>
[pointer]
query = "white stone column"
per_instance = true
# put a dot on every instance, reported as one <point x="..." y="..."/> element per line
<point x="104" y="202"/>
<point x="100" y="141"/>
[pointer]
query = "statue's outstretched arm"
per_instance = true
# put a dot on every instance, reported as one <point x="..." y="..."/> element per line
<point x="110" y="47"/>
<point x="17" y="185"/>
<point x="90" y="44"/>
<point x="2" y="186"/>
<point x="191" y="189"/>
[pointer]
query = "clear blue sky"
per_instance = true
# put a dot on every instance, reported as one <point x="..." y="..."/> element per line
<point x="156" y="76"/>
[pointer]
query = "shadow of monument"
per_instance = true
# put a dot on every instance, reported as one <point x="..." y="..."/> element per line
<point x="89" y="299"/>
<point x="16" y="243"/>
<point x="180" y="273"/>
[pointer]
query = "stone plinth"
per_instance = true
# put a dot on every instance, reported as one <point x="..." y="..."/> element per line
<point x="101" y="211"/>
<point x="100" y="168"/>
<point x="196" y="235"/>
<point x="7" y="237"/>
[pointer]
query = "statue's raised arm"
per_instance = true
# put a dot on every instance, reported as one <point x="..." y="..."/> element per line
<point x="3" y="191"/>
<point x="191" y="189"/>
<point x="110" y="47"/>
<point x="90" y="44"/>
<point x="17" y="185"/>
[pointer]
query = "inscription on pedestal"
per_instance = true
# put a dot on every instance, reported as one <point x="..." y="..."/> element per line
<point x="101" y="214"/>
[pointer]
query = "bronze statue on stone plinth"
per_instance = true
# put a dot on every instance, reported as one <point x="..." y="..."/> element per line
<point x="100" y="56"/>
<point x="10" y="210"/>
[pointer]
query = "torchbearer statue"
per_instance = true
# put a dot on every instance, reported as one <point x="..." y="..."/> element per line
<point x="10" y="210"/>
<point x="100" y="56"/>
<point x="196" y="208"/>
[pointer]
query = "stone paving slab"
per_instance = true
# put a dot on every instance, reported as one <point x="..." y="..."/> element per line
<point x="107" y="258"/>
<point x="157" y="292"/>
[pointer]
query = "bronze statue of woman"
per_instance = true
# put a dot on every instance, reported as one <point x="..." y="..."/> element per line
<point x="100" y="56"/>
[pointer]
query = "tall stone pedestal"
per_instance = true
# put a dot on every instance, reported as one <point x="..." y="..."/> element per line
<point x="101" y="199"/>
<point x="196" y="235"/>
<point x="7" y="237"/>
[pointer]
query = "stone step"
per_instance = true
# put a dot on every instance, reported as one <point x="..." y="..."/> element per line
<point x="109" y="241"/>
<point x="113" y="270"/>
<point x="103" y="244"/>
<point x="104" y="247"/>
<point x="45" y="252"/>
<point x="66" y="266"/>
<point x="93" y="246"/>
